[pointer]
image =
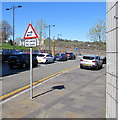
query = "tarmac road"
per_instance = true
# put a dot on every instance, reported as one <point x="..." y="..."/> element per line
<point x="22" y="77"/>
<point x="77" y="93"/>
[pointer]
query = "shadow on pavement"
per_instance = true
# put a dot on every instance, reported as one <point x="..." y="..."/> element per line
<point x="59" y="87"/>
<point x="15" y="70"/>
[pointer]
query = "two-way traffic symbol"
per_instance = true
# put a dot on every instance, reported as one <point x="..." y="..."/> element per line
<point x="30" y="32"/>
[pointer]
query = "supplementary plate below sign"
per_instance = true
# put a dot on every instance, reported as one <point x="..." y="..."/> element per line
<point x="31" y="43"/>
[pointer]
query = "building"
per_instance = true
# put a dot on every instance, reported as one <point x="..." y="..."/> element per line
<point x="22" y="42"/>
<point x="112" y="60"/>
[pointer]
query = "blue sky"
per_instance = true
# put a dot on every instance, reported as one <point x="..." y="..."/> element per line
<point x="71" y="19"/>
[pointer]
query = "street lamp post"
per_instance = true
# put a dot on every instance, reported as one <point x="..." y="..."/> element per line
<point x="13" y="8"/>
<point x="49" y="34"/>
<point x="58" y="36"/>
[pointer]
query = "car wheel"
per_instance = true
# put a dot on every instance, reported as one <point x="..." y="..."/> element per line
<point x="35" y="65"/>
<point x="46" y="61"/>
<point x="101" y="67"/>
<point x="97" y="67"/>
<point x="81" y="66"/>
<point x="24" y="65"/>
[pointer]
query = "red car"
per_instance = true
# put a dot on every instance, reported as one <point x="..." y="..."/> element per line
<point x="70" y="55"/>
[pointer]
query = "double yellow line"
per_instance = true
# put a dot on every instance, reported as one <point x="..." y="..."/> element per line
<point x="34" y="83"/>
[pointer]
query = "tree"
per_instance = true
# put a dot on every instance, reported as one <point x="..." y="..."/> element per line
<point x="98" y="31"/>
<point x="6" y="30"/>
<point x="40" y="28"/>
<point x="10" y="42"/>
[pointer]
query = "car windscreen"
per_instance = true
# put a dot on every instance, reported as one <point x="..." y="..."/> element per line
<point x="88" y="57"/>
<point x="41" y="55"/>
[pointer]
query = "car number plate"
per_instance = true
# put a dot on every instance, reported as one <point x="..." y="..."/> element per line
<point x="57" y="58"/>
<point x="87" y="64"/>
<point x="12" y="61"/>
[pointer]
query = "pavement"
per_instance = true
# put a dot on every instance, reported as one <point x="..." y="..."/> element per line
<point x="69" y="95"/>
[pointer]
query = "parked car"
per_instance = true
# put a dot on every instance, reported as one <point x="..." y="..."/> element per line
<point x="60" y="57"/>
<point x="104" y="60"/>
<point x="45" y="58"/>
<point x="21" y="60"/>
<point x="91" y="61"/>
<point x="70" y="55"/>
<point x="8" y="52"/>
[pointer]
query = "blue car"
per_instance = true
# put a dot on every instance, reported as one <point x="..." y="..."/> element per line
<point x="60" y="57"/>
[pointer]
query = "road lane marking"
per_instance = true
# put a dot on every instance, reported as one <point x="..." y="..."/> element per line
<point x="34" y="83"/>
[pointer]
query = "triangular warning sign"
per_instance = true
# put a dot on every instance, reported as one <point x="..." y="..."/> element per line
<point x="30" y="32"/>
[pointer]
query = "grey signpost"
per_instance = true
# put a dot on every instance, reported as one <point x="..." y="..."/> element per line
<point x="31" y="75"/>
<point x="31" y="41"/>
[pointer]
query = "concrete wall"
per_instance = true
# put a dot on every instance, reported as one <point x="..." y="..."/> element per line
<point x="112" y="61"/>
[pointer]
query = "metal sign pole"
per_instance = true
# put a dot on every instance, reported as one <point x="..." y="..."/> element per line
<point x="31" y="75"/>
<point x="31" y="41"/>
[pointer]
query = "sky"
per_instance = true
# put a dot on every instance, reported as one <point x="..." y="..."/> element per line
<point x="71" y="19"/>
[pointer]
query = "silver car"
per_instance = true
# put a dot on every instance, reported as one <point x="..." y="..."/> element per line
<point x="45" y="58"/>
<point x="91" y="61"/>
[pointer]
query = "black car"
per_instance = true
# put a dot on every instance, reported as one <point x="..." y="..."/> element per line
<point x="70" y="55"/>
<point x="22" y="60"/>
<point x="104" y="60"/>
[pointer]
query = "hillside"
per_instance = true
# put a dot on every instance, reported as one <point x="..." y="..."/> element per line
<point x="77" y="44"/>
<point x="63" y="46"/>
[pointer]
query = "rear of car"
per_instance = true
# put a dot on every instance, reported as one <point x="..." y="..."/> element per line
<point x="70" y="56"/>
<point x="60" y="57"/>
<point x="91" y="61"/>
<point x="45" y="58"/>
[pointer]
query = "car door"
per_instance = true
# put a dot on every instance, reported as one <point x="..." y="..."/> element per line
<point x="98" y="59"/>
<point x="51" y="58"/>
<point x="26" y="59"/>
<point x="101" y="61"/>
<point x="64" y="56"/>
<point x="48" y="57"/>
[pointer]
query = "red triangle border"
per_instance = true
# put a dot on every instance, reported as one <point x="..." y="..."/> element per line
<point x="33" y="30"/>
